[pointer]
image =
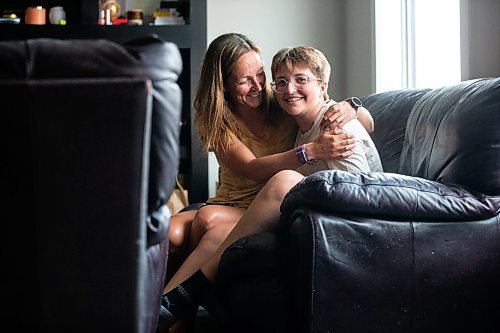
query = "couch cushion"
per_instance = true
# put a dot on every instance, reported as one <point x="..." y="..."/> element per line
<point x="452" y="136"/>
<point x="148" y="57"/>
<point x="52" y="58"/>
<point x="388" y="195"/>
<point x="390" y="111"/>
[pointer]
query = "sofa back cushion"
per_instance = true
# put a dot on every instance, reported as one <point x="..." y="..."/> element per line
<point x="148" y="57"/>
<point x="46" y="58"/>
<point x="390" y="111"/>
<point x="453" y="136"/>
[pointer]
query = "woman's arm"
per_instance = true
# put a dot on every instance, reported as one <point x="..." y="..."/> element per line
<point x="240" y="160"/>
<point x="342" y="112"/>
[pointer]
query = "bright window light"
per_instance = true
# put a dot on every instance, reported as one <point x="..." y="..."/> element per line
<point x="417" y="43"/>
<point x="389" y="39"/>
<point x="437" y="43"/>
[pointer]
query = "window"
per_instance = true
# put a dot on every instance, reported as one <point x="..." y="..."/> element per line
<point x="417" y="43"/>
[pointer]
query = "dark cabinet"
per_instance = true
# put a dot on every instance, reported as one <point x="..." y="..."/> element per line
<point x="191" y="39"/>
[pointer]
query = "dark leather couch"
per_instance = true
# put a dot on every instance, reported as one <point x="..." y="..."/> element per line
<point x="92" y="132"/>
<point x="413" y="249"/>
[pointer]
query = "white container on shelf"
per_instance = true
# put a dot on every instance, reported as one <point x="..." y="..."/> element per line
<point x="169" y="20"/>
<point x="57" y="15"/>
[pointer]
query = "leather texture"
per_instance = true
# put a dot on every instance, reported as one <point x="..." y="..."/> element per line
<point x="372" y="275"/>
<point x="93" y="150"/>
<point x="413" y="249"/>
<point x="393" y="109"/>
<point x="251" y="261"/>
<point x="453" y="136"/>
<point x="387" y="195"/>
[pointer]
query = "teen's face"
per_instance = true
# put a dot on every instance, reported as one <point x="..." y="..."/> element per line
<point x="246" y="82"/>
<point x="300" y="91"/>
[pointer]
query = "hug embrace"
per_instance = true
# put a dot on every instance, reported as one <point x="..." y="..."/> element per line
<point x="266" y="137"/>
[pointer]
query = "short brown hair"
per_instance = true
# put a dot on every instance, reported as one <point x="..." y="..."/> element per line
<point x="311" y="57"/>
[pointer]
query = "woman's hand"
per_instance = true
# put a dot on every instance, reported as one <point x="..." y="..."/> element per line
<point x="337" y="115"/>
<point x="331" y="145"/>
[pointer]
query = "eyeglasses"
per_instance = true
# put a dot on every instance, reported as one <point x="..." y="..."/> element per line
<point x="280" y="85"/>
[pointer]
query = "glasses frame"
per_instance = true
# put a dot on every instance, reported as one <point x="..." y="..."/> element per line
<point x="294" y="82"/>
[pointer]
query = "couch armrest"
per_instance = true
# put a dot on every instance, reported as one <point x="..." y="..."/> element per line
<point x="389" y="253"/>
<point x="161" y="62"/>
<point x="356" y="274"/>
<point x="387" y="195"/>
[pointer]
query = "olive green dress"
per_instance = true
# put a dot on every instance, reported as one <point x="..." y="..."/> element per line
<point x="239" y="191"/>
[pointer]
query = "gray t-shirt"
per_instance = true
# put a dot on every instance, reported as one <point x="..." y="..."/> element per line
<point x="365" y="156"/>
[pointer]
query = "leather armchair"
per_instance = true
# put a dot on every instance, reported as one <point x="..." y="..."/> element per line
<point x="413" y="249"/>
<point x="92" y="132"/>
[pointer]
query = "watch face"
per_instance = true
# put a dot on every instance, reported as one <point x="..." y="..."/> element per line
<point x="356" y="102"/>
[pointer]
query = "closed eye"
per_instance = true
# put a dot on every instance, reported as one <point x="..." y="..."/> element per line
<point x="244" y="81"/>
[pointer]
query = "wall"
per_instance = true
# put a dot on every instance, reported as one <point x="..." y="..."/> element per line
<point x="359" y="47"/>
<point x="480" y="38"/>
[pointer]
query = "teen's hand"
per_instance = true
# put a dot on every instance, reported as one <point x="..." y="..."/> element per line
<point x="337" y="116"/>
<point x="330" y="145"/>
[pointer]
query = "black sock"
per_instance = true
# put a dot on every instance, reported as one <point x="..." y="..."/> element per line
<point x="187" y="295"/>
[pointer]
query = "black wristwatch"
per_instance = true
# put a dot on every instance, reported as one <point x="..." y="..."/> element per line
<point x="355" y="103"/>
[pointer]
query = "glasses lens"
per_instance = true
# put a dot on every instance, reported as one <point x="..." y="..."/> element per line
<point x="300" y="81"/>
<point x="281" y="84"/>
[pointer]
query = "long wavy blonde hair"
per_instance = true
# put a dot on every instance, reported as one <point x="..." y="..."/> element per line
<point x="214" y="117"/>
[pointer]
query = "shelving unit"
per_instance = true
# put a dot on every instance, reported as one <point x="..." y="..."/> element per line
<point x="190" y="38"/>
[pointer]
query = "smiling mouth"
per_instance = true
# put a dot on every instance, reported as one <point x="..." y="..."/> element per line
<point x="293" y="99"/>
<point x="254" y="95"/>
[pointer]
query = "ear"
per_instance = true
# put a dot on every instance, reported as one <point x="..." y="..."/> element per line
<point x="323" y="88"/>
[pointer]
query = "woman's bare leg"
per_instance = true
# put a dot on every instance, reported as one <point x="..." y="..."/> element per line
<point x="179" y="240"/>
<point x="213" y="223"/>
<point x="209" y="217"/>
<point x="196" y="233"/>
<point x="180" y="228"/>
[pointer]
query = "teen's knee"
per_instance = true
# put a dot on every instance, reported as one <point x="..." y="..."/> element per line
<point x="214" y="237"/>
<point x="282" y="182"/>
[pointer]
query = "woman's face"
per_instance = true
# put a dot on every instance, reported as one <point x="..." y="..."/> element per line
<point x="300" y="90"/>
<point x="246" y="82"/>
